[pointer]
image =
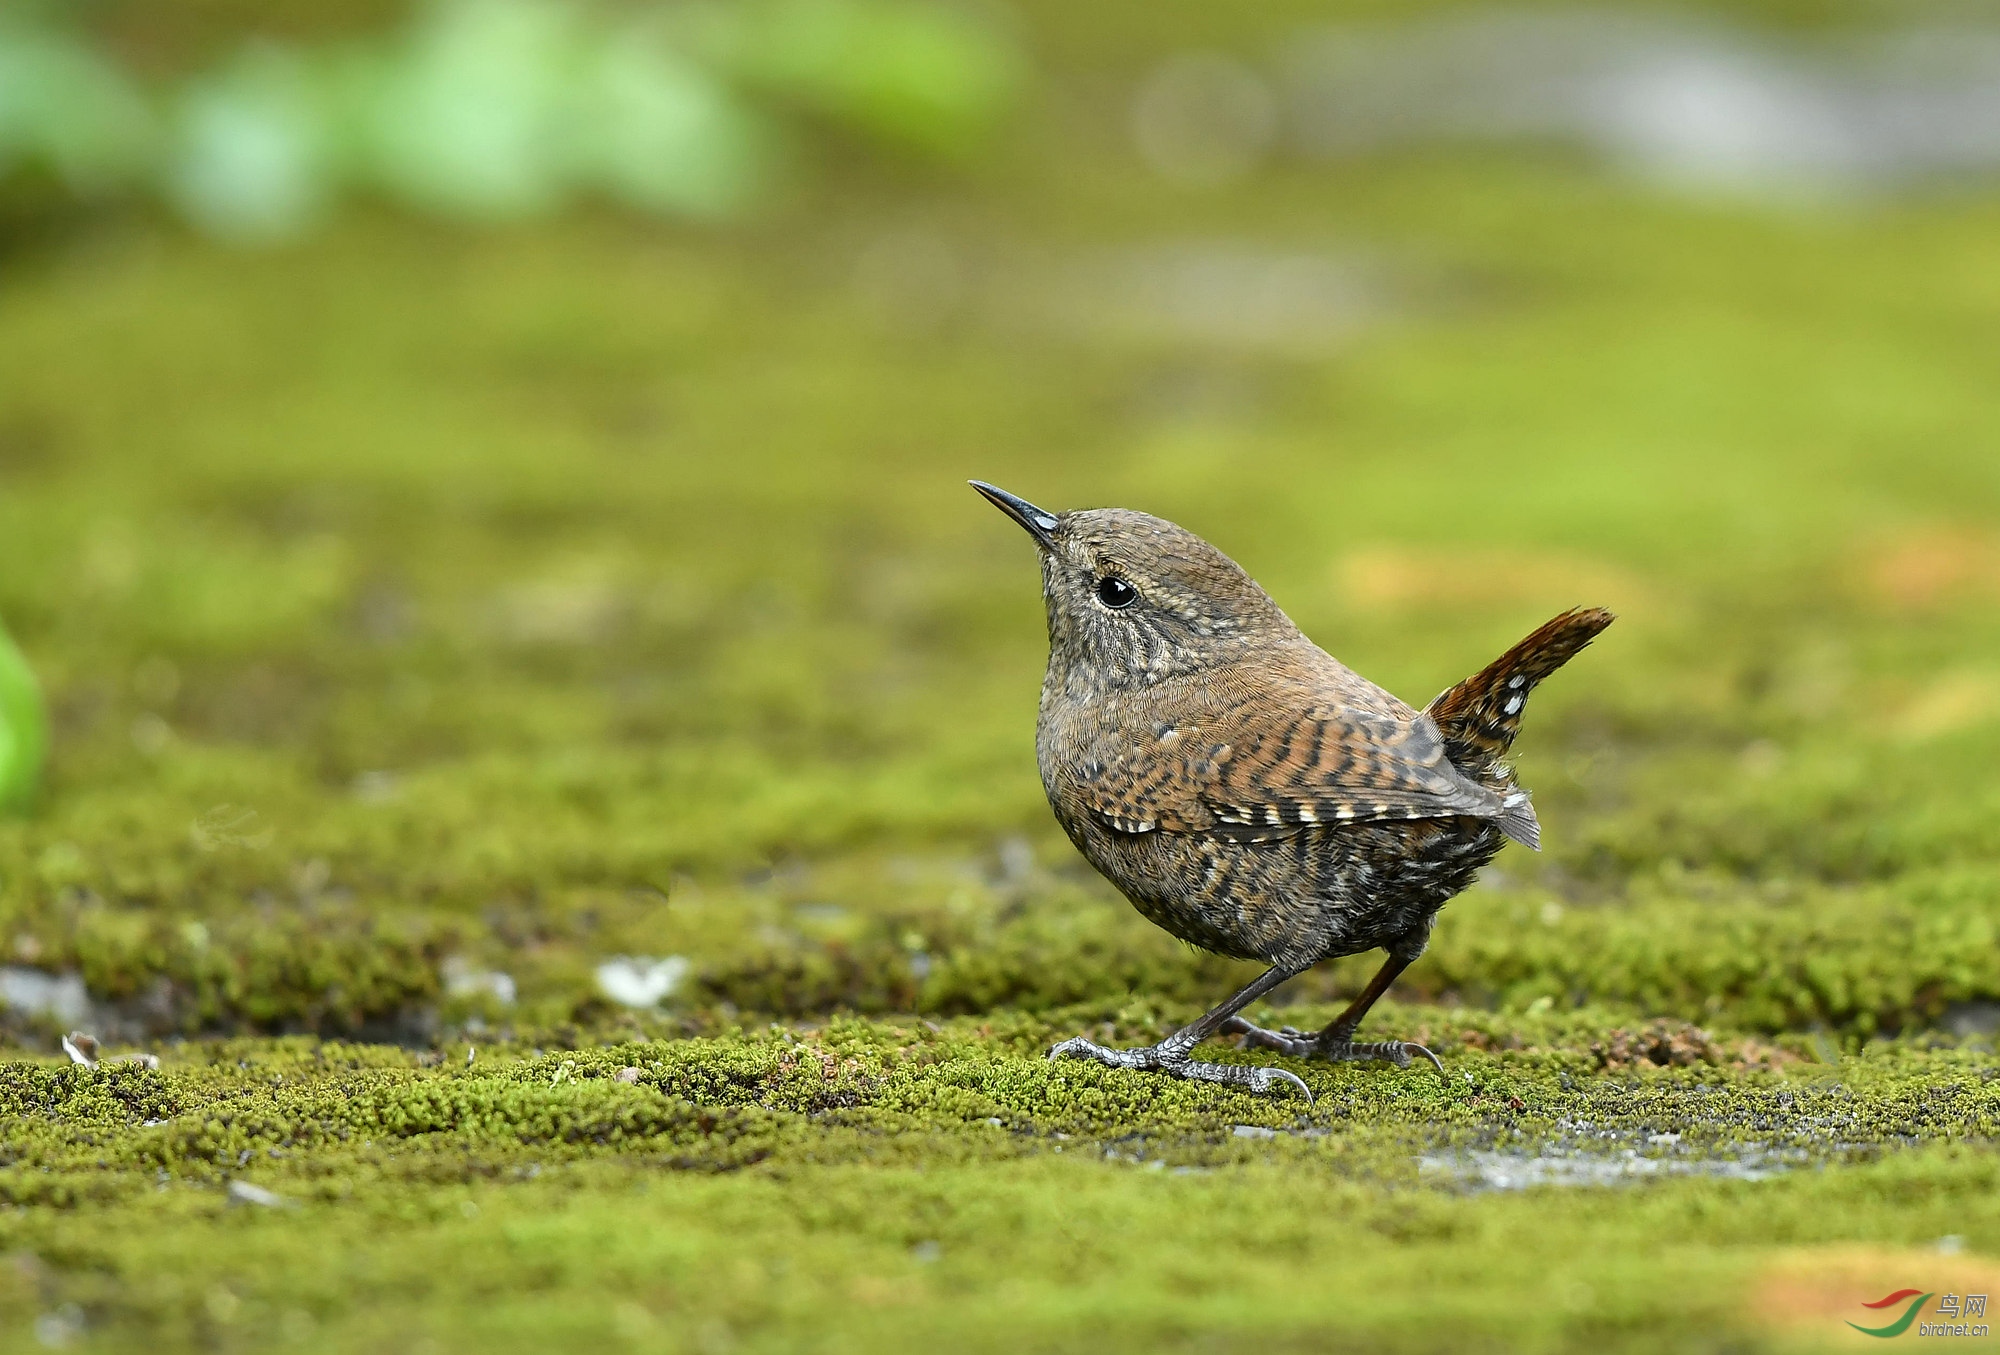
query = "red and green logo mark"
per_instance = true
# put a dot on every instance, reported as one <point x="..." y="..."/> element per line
<point x="1952" y="1312"/>
<point x="1901" y="1324"/>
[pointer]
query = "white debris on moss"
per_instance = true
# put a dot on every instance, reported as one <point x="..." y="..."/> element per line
<point x="463" y="979"/>
<point x="641" y="981"/>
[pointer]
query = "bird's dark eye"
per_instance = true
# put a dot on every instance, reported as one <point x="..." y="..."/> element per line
<point x="1115" y="593"/>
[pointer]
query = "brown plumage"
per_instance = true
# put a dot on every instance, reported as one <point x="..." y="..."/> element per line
<point x="1247" y="791"/>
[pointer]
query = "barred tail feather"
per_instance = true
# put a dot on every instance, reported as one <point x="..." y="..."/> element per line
<point x="1519" y="821"/>
<point x="1481" y="715"/>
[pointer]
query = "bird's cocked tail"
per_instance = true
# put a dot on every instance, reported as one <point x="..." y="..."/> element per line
<point x="1481" y="715"/>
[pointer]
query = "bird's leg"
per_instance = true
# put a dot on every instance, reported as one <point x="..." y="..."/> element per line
<point x="1336" y="1042"/>
<point x="1171" y="1054"/>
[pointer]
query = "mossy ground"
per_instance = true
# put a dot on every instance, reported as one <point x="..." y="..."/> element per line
<point x="415" y="602"/>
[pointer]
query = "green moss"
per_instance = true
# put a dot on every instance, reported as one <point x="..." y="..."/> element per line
<point x="412" y="605"/>
<point x="867" y="1181"/>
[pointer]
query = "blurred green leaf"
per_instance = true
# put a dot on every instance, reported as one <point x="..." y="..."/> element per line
<point x="661" y="134"/>
<point x="931" y="78"/>
<point x="468" y="118"/>
<point x="24" y="728"/>
<point x="500" y="110"/>
<point x="252" y="160"/>
<point x="68" y="111"/>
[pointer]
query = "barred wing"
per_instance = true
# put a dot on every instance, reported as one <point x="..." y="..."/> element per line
<point x="1277" y="761"/>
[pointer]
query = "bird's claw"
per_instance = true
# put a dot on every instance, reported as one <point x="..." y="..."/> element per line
<point x="1266" y="1079"/>
<point x="1175" y="1063"/>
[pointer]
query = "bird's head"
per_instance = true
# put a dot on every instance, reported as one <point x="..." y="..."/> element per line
<point x="1133" y="598"/>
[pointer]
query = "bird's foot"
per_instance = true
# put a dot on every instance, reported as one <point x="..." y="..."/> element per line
<point x="1399" y="1052"/>
<point x="1303" y="1045"/>
<point x="1173" y="1060"/>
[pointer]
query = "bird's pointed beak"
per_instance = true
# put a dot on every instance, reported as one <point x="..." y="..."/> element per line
<point x="1041" y="523"/>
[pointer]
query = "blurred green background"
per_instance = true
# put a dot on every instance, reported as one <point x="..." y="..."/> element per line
<point x="482" y="490"/>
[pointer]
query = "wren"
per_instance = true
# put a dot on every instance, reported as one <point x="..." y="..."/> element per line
<point x="1247" y="791"/>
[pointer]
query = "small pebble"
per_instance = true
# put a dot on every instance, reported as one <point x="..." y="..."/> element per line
<point x="628" y="1075"/>
<point x="1253" y="1131"/>
<point x="242" y="1192"/>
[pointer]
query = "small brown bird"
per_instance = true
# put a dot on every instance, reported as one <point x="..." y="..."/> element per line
<point x="1247" y="791"/>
